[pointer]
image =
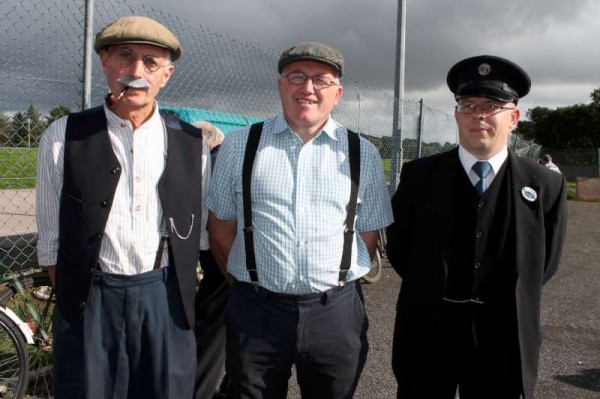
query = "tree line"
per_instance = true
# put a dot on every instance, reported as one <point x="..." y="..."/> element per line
<point x="572" y="127"/>
<point x="25" y="128"/>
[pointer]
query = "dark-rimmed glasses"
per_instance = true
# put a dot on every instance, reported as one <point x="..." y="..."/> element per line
<point x="126" y="58"/>
<point x="488" y="108"/>
<point x="319" y="81"/>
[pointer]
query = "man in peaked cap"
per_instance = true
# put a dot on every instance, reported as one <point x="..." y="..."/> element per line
<point x="119" y="233"/>
<point x="477" y="233"/>
<point x="295" y="255"/>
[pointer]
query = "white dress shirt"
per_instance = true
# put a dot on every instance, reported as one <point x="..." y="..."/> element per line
<point x="468" y="160"/>
<point x="133" y="229"/>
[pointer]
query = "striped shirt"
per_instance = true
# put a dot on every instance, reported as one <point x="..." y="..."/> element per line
<point x="133" y="229"/>
<point x="299" y="198"/>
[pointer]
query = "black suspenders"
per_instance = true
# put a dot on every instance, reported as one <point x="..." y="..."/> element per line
<point x="250" y="154"/>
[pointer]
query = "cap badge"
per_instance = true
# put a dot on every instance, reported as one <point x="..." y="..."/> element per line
<point x="529" y="194"/>
<point x="484" y="69"/>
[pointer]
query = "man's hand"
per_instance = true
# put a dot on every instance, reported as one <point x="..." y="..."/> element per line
<point x="221" y="235"/>
<point x="52" y="275"/>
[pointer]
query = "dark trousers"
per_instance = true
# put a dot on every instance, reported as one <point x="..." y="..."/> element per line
<point x="324" y="335"/>
<point x="211" y="299"/>
<point x="460" y="355"/>
<point x="134" y="342"/>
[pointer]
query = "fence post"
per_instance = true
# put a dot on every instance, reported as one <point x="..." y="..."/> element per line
<point x="397" y="157"/>
<point x="420" y="129"/>
<point x="86" y="93"/>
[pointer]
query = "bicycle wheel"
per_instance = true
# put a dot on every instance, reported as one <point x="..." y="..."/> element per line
<point x="376" y="268"/>
<point x="14" y="366"/>
<point x="37" y="299"/>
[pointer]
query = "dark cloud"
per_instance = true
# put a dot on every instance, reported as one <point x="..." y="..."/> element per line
<point x="553" y="40"/>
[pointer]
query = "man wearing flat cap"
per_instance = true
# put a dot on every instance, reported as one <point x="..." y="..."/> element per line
<point x="293" y="221"/>
<point x="478" y="231"/>
<point x="119" y="212"/>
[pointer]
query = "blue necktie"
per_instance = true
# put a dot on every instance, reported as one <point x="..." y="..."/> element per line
<point x="482" y="169"/>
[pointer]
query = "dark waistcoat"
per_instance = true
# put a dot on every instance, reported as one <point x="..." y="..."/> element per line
<point x="481" y="264"/>
<point x="91" y="174"/>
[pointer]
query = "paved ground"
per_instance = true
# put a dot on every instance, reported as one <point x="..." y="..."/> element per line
<point x="570" y="363"/>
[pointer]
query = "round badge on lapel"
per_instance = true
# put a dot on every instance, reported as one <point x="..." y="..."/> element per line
<point x="529" y="194"/>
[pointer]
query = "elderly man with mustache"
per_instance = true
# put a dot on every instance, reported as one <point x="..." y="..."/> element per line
<point x="119" y="216"/>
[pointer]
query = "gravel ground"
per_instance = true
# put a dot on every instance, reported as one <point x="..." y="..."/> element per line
<point x="570" y="361"/>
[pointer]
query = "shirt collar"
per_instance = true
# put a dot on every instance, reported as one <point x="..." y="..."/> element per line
<point x="116" y="121"/>
<point x="468" y="160"/>
<point x="280" y="125"/>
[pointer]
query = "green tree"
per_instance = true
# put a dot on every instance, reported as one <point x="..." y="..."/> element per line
<point x="4" y="129"/>
<point x="575" y="126"/>
<point x="57" y="113"/>
<point x="27" y="128"/>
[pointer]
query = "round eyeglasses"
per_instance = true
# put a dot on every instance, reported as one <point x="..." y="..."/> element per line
<point x="126" y="58"/>
<point x="488" y="108"/>
<point x="319" y="81"/>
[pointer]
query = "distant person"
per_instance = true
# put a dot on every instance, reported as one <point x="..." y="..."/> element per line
<point x="211" y="298"/>
<point x="477" y="233"/>
<point x="315" y="198"/>
<point x="213" y="136"/>
<point x="547" y="162"/>
<point x="119" y="199"/>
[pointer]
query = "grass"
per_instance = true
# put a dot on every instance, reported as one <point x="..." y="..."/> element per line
<point x="17" y="167"/>
<point x="571" y="190"/>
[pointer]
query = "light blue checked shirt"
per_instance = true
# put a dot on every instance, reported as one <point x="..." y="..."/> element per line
<point x="299" y="198"/>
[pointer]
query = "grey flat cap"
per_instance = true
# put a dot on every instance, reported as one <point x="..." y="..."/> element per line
<point x="312" y="51"/>
<point x="138" y="30"/>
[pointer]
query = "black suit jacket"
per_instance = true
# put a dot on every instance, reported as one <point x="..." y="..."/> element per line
<point x="419" y="239"/>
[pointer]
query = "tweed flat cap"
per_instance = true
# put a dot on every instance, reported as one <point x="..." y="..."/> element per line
<point x="138" y="30"/>
<point x="488" y="76"/>
<point x="312" y="51"/>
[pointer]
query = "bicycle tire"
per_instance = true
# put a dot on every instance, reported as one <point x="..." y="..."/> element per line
<point x="14" y="360"/>
<point x="376" y="269"/>
<point x="40" y="382"/>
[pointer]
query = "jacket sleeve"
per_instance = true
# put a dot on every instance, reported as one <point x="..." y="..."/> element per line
<point x="555" y="220"/>
<point x="398" y="233"/>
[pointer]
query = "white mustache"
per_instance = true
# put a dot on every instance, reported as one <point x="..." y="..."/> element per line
<point x="136" y="83"/>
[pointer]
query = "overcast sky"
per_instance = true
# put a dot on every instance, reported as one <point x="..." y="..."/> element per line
<point x="555" y="41"/>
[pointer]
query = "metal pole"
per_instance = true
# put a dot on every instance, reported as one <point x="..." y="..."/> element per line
<point x="358" y="98"/>
<point x="86" y="93"/>
<point x="397" y="156"/>
<point x="420" y="132"/>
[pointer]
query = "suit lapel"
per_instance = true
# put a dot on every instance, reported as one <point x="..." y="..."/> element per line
<point x="444" y="195"/>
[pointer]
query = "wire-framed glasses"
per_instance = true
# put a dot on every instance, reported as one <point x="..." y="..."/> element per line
<point x="487" y="108"/>
<point x="319" y="81"/>
<point x="126" y="58"/>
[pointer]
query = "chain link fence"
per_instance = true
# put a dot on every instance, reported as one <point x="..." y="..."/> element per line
<point x="230" y="82"/>
<point x="576" y="163"/>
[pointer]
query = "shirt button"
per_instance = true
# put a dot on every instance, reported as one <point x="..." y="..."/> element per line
<point x="479" y="234"/>
<point x="481" y="204"/>
<point x="123" y="124"/>
<point x="137" y="208"/>
<point x="82" y="304"/>
<point x="477" y="265"/>
<point x="137" y="178"/>
<point x="301" y="278"/>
